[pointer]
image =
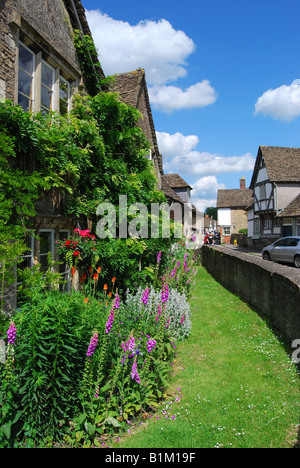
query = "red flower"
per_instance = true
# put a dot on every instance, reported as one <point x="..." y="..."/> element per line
<point x="76" y="253"/>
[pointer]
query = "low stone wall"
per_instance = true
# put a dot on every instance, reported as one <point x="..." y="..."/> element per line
<point x="271" y="288"/>
<point x="241" y="239"/>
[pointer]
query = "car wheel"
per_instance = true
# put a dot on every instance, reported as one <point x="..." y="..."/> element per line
<point x="297" y="261"/>
<point x="267" y="256"/>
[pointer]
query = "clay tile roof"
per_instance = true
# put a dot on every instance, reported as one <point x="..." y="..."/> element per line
<point x="234" y="198"/>
<point x="292" y="210"/>
<point x="282" y="164"/>
<point x="175" y="181"/>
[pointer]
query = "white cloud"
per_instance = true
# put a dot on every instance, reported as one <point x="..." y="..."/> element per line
<point x="205" y="190"/>
<point x="153" y="45"/>
<point x="176" y="144"/>
<point x="281" y="103"/>
<point x="204" y="163"/>
<point x="172" y="98"/>
<point x="207" y="186"/>
<point x="203" y="203"/>
<point x="180" y="156"/>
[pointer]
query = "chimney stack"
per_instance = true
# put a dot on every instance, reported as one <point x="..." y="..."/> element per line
<point x="243" y="183"/>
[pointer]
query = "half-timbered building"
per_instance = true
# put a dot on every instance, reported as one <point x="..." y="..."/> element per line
<point x="275" y="184"/>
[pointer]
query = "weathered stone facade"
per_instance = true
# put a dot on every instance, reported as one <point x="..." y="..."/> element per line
<point x="46" y="27"/>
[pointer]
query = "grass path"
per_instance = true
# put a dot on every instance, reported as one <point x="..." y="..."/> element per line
<point x="233" y="383"/>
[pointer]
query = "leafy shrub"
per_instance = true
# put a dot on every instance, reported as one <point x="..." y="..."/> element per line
<point x="53" y="332"/>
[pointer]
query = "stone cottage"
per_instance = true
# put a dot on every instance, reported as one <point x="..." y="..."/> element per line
<point x="40" y="71"/>
<point x="232" y="215"/>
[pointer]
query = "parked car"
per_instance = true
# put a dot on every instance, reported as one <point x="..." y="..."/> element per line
<point x="285" y="250"/>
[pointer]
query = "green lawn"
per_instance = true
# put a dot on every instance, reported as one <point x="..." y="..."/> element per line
<point x="233" y="383"/>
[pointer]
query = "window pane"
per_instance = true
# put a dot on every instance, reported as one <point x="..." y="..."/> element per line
<point x="27" y="257"/>
<point x="46" y="97"/>
<point x="25" y="78"/>
<point x="63" y="107"/>
<point x="26" y="59"/>
<point x="45" y="242"/>
<point x="44" y="263"/>
<point x="63" y="89"/>
<point x="25" y="83"/>
<point x="64" y="95"/>
<point x="293" y="242"/>
<point x="47" y="75"/>
<point x="24" y="102"/>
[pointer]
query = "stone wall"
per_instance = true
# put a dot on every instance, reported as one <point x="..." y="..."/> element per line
<point x="272" y="289"/>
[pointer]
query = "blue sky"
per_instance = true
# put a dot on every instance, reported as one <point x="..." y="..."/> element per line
<point x="223" y="78"/>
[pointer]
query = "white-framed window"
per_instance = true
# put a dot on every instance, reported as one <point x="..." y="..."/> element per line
<point x="64" y="269"/>
<point x="27" y="258"/>
<point x="26" y="72"/>
<point x="46" y="239"/>
<point x="41" y="87"/>
<point x="226" y="231"/>
<point x="47" y="88"/>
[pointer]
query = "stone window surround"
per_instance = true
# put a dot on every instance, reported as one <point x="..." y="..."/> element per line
<point x="64" y="71"/>
<point x="37" y="81"/>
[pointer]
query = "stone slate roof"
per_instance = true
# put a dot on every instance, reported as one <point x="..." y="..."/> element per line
<point x="292" y="210"/>
<point x="235" y="198"/>
<point x="175" y="181"/>
<point x="282" y="164"/>
<point x="169" y="192"/>
<point x="128" y="86"/>
<point x="131" y="86"/>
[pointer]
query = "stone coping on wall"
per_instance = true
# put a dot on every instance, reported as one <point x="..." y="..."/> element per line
<point x="271" y="288"/>
<point x="289" y="271"/>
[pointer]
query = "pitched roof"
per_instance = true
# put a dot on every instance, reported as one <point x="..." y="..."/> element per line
<point x="292" y="210"/>
<point x="175" y="181"/>
<point x="282" y="164"/>
<point x="128" y="86"/>
<point x="169" y="192"/>
<point x="234" y="198"/>
<point x="131" y="87"/>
